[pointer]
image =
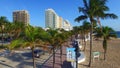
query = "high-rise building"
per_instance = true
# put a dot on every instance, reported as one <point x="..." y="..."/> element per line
<point x="51" y="19"/>
<point x="60" y="22"/>
<point x="57" y="22"/>
<point x="21" y="16"/>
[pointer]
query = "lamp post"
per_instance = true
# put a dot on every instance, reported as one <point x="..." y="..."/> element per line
<point x="76" y="53"/>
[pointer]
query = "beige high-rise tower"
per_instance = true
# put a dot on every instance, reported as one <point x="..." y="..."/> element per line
<point x="21" y="16"/>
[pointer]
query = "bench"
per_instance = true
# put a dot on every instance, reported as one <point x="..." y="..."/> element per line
<point x="96" y="55"/>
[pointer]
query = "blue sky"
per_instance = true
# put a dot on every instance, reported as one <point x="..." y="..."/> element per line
<point x="68" y="9"/>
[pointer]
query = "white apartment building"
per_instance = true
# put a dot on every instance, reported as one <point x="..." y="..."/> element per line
<point x="52" y="20"/>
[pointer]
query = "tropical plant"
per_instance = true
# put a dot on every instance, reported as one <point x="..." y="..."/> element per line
<point x="31" y="36"/>
<point x="94" y="9"/>
<point x="18" y="29"/>
<point x="76" y="31"/>
<point x="86" y="31"/>
<point x="3" y="20"/>
<point x="53" y="41"/>
<point x="30" y="39"/>
<point x="14" y="30"/>
<point x="106" y="34"/>
<point x="62" y="38"/>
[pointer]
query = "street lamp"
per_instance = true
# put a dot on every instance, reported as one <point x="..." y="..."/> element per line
<point x="76" y="52"/>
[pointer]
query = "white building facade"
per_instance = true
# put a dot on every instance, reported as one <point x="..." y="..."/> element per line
<point x="52" y="20"/>
<point x="66" y="25"/>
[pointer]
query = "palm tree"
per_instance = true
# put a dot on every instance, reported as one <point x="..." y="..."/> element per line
<point x="76" y="31"/>
<point x="61" y="41"/>
<point x="62" y="38"/>
<point x="94" y="9"/>
<point x="3" y="20"/>
<point x="86" y="30"/>
<point x="14" y="30"/>
<point x="7" y="28"/>
<point x="100" y="11"/>
<point x="18" y="29"/>
<point x="31" y="36"/>
<point x="53" y="41"/>
<point x="106" y="33"/>
<point x="30" y="39"/>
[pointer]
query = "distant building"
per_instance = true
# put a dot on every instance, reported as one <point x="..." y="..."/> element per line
<point x="21" y="16"/>
<point x="60" y="22"/>
<point x="51" y="19"/>
<point x="66" y="25"/>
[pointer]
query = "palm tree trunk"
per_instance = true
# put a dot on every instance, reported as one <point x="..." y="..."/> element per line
<point x="82" y="39"/>
<point x="84" y="42"/>
<point x="99" y="22"/>
<point x="34" y="65"/>
<point x="61" y="55"/>
<point x="104" y="54"/>
<point x="91" y="42"/>
<point x="84" y="45"/>
<point x="105" y="47"/>
<point x="53" y="57"/>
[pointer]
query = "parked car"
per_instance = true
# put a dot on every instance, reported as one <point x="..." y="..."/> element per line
<point x="38" y="52"/>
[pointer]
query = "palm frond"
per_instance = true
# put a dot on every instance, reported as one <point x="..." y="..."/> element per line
<point x="79" y="18"/>
<point x="85" y="4"/>
<point x="81" y="9"/>
<point x="16" y="44"/>
<point x="112" y="16"/>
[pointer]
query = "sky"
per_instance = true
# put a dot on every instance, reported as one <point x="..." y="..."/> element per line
<point x="67" y="9"/>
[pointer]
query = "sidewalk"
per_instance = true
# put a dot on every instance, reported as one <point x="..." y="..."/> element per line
<point x="65" y="64"/>
<point x="24" y="60"/>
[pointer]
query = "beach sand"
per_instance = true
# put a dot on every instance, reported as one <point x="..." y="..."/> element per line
<point x="112" y="56"/>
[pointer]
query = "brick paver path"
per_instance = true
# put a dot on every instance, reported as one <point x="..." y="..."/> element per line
<point x="65" y="64"/>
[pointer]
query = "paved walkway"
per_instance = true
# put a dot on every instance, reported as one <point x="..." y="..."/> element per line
<point x="65" y="64"/>
<point x="20" y="61"/>
<point x="23" y="61"/>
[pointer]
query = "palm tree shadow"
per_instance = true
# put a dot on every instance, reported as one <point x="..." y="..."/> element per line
<point x="66" y="65"/>
<point x="15" y="57"/>
<point x="19" y="57"/>
<point x="6" y="65"/>
<point x="24" y="63"/>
